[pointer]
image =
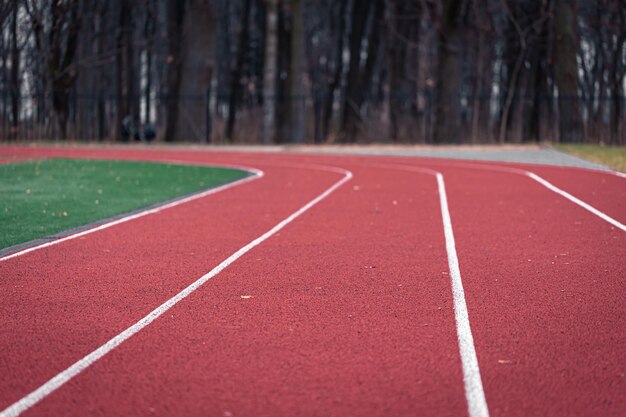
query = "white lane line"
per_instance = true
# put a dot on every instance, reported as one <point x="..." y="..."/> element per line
<point x="56" y="382"/>
<point x="474" y="392"/>
<point x="476" y="402"/>
<point x="256" y="175"/>
<point x="472" y="381"/>
<point x="548" y="185"/>
<point x="575" y="200"/>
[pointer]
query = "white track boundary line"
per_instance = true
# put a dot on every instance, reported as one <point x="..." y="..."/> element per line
<point x="472" y="381"/>
<point x="60" y="379"/>
<point x="256" y="175"/>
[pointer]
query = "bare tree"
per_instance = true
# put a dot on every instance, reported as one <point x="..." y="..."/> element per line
<point x="196" y="71"/>
<point x="175" y="20"/>
<point x="365" y="15"/>
<point x="235" y="93"/>
<point x="566" y="70"/>
<point x="297" y="71"/>
<point x="447" y="126"/>
<point x="55" y="25"/>
<point x="269" y="77"/>
<point x="14" y="83"/>
<point x="398" y="70"/>
<point x="617" y="71"/>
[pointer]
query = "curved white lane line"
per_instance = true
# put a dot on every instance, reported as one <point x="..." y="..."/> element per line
<point x="575" y="200"/>
<point x="477" y="405"/>
<point x="548" y="185"/>
<point x="472" y="381"/>
<point x="256" y="175"/>
<point x="56" y="382"/>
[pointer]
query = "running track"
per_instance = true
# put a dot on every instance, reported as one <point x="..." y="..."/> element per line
<point x="345" y="310"/>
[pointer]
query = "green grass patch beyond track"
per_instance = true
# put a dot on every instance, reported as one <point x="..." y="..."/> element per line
<point x="611" y="156"/>
<point x="40" y="198"/>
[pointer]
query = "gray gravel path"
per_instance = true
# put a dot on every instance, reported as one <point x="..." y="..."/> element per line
<point x="531" y="155"/>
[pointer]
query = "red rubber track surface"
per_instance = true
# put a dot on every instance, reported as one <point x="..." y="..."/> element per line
<point x="10" y="159"/>
<point x="351" y="310"/>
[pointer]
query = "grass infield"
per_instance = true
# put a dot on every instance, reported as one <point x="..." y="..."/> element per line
<point x="611" y="156"/>
<point x="40" y="198"/>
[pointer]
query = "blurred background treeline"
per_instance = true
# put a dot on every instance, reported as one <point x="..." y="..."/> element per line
<point x="314" y="71"/>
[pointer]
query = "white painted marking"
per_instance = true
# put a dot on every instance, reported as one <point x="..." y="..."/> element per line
<point x="575" y="200"/>
<point x="548" y="185"/>
<point x="472" y="381"/>
<point x="474" y="392"/>
<point x="476" y="402"/>
<point x="256" y="175"/>
<point x="56" y="382"/>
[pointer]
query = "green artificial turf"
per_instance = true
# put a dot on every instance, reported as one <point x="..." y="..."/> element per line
<point x="40" y="198"/>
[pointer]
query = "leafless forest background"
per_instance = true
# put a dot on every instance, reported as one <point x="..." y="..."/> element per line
<point x="313" y="71"/>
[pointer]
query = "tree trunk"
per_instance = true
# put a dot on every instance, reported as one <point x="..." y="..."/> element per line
<point x="175" y="19"/>
<point x="61" y="61"/>
<point x="196" y="71"/>
<point x="149" y="35"/>
<point x="447" y="107"/>
<point x="329" y="97"/>
<point x="148" y="88"/>
<point x="350" y="113"/>
<point x="358" y="79"/>
<point x="61" y="105"/>
<point x="100" y="20"/>
<point x="14" y="84"/>
<point x="84" y="101"/>
<point x="537" y="82"/>
<point x="513" y="91"/>
<point x="234" y="95"/>
<point x="478" y="85"/>
<point x="566" y="70"/>
<point x="269" y="74"/>
<point x="124" y="65"/>
<point x="617" y="74"/>
<point x="283" y="83"/>
<point x="297" y="71"/>
<point x="397" y="48"/>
